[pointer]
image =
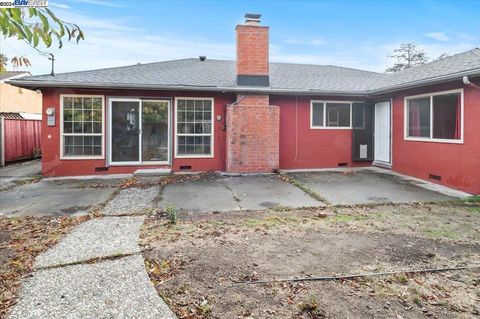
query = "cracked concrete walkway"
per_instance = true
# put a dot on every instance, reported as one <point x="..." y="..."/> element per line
<point x="115" y="286"/>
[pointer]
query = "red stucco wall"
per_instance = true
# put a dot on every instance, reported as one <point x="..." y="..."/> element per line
<point x="52" y="165"/>
<point x="457" y="164"/>
<point x="302" y="147"/>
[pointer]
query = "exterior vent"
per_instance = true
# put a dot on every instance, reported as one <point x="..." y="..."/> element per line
<point x="186" y="168"/>
<point x="342" y="164"/>
<point x="435" y="177"/>
<point x="101" y="169"/>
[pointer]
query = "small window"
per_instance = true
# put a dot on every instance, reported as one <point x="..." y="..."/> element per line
<point x="82" y="126"/>
<point x="419" y="117"/>
<point x="435" y="117"/>
<point x="330" y="114"/>
<point x="317" y="114"/>
<point x="194" y="127"/>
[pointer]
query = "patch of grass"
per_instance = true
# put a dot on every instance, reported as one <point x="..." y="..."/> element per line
<point x="475" y="210"/>
<point x="400" y="279"/>
<point x="347" y="218"/>
<point x="270" y="221"/>
<point x="472" y="199"/>
<point x="280" y="208"/>
<point x="441" y="233"/>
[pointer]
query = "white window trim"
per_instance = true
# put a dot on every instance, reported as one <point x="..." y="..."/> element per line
<point x="212" y="134"/>
<point x="430" y="139"/>
<point x="62" y="156"/>
<point x="324" y="127"/>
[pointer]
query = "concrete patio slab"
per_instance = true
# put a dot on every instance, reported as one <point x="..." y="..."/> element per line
<point x="207" y="194"/>
<point x="99" y="237"/>
<point x="268" y="191"/>
<point x="51" y="198"/>
<point x="232" y="193"/>
<point x="365" y="186"/>
<point x="118" y="288"/>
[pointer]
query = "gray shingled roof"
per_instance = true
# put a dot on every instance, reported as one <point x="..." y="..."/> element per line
<point x="284" y="77"/>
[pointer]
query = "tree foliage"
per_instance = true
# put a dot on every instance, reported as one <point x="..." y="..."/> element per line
<point x="33" y="25"/>
<point x="408" y="55"/>
<point x="3" y="62"/>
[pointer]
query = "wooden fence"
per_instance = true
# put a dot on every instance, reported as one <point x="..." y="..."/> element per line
<point x="19" y="139"/>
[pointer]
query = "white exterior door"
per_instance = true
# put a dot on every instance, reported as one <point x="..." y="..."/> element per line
<point x="382" y="133"/>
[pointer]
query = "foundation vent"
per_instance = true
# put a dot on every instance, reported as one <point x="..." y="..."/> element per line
<point x="186" y="168"/>
<point x="435" y="177"/>
<point x="342" y="164"/>
<point x="101" y="169"/>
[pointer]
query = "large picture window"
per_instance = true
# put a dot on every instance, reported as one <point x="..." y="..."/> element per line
<point x="194" y="127"/>
<point x="82" y="126"/>
<point x="434" y="117"/>
<point x="330" y="114"/>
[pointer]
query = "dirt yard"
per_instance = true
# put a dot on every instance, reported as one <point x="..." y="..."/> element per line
<point x="21" y="240"/>
<point x="197" y="265"/>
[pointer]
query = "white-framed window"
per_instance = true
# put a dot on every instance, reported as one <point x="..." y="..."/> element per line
<point x="330" y="115"/>
<point x="82" y="126"/>
<point x="194" y="127"/>
<point x="435" y="117"/>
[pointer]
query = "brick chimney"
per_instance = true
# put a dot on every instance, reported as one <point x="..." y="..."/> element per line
<point x="253" y="125"/>
<point x="252" y="52"/>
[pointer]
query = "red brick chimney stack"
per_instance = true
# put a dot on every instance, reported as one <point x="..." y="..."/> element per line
<point x="253" y="125"/>
<point x="252" y="52"/>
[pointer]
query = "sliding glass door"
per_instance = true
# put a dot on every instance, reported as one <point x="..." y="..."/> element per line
<point x="139" y="131"/>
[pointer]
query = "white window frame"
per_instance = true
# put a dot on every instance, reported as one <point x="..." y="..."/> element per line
<point x="62" y="134"/>
<point x="324" y="126"/>
<point x="431" y="139"/>
<point x="212" y="133"/>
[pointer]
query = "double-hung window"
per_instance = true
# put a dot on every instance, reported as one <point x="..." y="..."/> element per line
<point x="330" y="114"/>
<point x="194" y="127"/>
<point x="435" y="117"/>
<point x="81" y="126"/>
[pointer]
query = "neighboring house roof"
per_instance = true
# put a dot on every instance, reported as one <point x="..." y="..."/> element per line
<point x="9" y="75"/>
<point x="11" y="115"/>
<point x="220" y="75"/>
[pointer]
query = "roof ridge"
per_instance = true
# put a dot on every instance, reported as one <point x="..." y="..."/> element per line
<point x="117" y="67"/>
<point x="330" y="65"/>
<point x="416" y="67"/>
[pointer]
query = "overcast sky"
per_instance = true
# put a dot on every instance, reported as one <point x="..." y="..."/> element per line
<point x="357" y="34"/>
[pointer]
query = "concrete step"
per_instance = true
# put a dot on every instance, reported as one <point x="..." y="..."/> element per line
<point x="153" y="172"/>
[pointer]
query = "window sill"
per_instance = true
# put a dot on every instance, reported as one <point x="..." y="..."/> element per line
<point x="330" y="128"/>
<point x="76" y="158"/>
<point x="194" y="156"/>
<point x="432" y="140"/>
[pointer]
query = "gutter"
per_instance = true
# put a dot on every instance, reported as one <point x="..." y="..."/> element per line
<point x="265" y="90"/>
<point x="94" y="85"/>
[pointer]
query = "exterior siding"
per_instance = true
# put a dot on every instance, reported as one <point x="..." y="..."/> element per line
<point x="304" y="148"/>
<point x="457" y="164"/>
<point x="52" y="165"/>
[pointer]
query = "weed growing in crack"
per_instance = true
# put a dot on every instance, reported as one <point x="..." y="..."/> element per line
<point x="172" y="214"/>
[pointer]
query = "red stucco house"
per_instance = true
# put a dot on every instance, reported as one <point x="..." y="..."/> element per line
<point x="250" y="115"/>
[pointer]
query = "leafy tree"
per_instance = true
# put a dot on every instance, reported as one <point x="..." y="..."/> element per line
<point x="408" y="55"/>
<point x="35" y="25"/>
<point x="3" y="62"/>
